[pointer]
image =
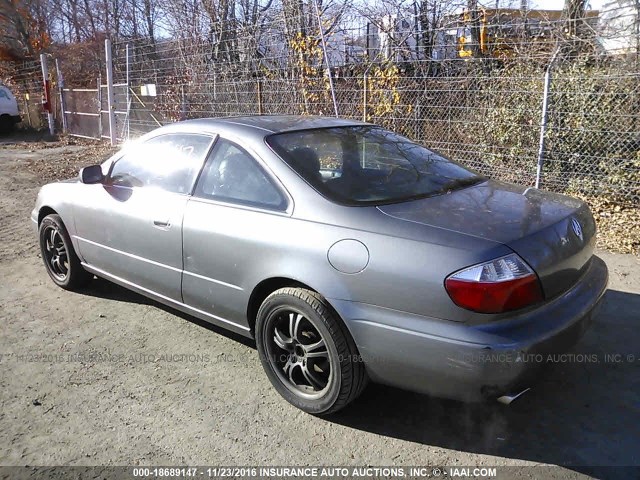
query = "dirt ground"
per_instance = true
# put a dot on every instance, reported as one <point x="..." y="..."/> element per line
<point x="106" y="377"/>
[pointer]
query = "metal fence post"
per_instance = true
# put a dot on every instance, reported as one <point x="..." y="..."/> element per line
<point x="99" y="107"/>
<point x="544" y="118"/>
<point x="364" y="94"/>
<point x="326" y="58"/>
<point x="183" y="104"/>
<point x="26" y="109"/>
<point x="110" y="99"/>
<point x="365" y="87"/>
<point x="47" y="92"/>
<point x="61" y="91"/>
<point x="259" y="92"/>
<point x="128" y="96"/>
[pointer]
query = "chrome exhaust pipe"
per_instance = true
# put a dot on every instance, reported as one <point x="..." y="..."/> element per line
<point x="507" y="399"/>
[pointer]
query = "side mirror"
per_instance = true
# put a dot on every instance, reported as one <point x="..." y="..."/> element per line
<point x="91" y="174"/>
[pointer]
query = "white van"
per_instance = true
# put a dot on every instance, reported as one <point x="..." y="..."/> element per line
<point x="9" y="114"/>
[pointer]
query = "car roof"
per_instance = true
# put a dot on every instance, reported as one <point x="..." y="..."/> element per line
<point x="261" y="124"/>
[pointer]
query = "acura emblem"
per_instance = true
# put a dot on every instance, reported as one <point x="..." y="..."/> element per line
<point x="577" y="229"/>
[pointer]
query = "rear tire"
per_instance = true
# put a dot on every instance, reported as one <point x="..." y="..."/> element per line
<point x="60" y="259"/>
<point x="307" y="351"/>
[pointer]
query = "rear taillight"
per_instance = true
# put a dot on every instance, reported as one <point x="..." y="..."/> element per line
<point x="503" y="284"/>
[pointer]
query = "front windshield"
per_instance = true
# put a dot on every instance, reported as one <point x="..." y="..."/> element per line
<point x="364" y="165"/>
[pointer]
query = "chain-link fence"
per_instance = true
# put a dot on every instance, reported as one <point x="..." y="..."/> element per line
<point x="25" y="81"/>
<point x="82" y="111"/>
<point x="477" y="97"/>
<point x="528" y="96"/>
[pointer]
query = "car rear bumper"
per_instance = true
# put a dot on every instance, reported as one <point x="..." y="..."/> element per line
<point x="472" y="362"/>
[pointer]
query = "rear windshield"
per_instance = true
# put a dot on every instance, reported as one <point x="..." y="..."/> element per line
<point x="365" y="165"/>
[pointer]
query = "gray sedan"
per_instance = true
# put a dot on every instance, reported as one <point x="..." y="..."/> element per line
<point x="347" y="251"/>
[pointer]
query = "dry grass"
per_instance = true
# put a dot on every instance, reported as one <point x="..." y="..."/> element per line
<point x="618" y="225"/>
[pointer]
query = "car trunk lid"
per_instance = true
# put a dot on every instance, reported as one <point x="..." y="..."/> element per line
<point x="554" y="234"/>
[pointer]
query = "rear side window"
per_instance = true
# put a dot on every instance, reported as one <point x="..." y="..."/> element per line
<point x="4" y="94"/>
<point x="169" y="162"/>
<point x="232" y="175"/>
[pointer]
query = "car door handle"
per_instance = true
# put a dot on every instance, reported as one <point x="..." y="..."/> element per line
<point x="162" y="224"/>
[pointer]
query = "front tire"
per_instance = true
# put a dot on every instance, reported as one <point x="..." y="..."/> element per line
<point x="60" y="259"/>
<point x="307" y="351"/>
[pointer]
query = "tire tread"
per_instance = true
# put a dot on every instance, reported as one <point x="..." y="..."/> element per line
<point x="353" y="373"/>
<point x="78" y="276"/>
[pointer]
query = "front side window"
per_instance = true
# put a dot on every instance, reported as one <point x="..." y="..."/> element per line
<point x="169" y="162"/>
<point x="231" y="174"/>
<point x="365" y="165"/>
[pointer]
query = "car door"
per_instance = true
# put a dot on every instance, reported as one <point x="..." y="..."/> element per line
<point x="130" y="226"/>
<point x="235" y="199"/>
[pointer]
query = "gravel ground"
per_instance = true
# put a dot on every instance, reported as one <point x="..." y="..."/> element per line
<point x="106" y="377"/>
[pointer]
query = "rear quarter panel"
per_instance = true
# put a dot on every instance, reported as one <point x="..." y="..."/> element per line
<point x="238" y="248"/>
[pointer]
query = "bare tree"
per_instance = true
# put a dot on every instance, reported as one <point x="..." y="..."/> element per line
<point x="576" y="34"/>
<point x="23" y="29"/>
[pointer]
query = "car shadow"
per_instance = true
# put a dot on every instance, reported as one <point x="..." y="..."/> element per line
<point x="26" y="135"/>
<point x="581" y="415"/>
<point x="102" y="288"/>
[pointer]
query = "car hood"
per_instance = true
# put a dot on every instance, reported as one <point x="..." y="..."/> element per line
<point x="539" y="226"/>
